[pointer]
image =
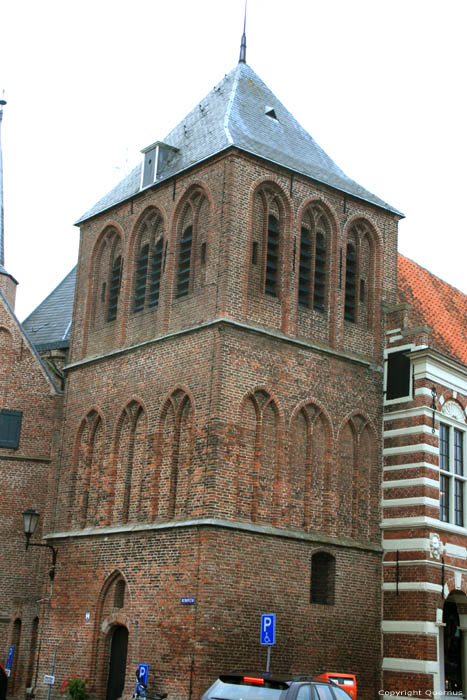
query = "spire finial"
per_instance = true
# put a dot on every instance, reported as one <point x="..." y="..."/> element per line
<point x="242" y="58"/>
<point x="2" y="253"/>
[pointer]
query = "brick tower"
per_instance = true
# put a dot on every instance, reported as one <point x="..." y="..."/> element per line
<point x="221" y="452"/>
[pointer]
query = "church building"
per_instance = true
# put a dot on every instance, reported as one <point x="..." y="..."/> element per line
<point x="249" y="414"/>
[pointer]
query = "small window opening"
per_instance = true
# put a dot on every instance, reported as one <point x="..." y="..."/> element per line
<point x="156" y="273"/>
<point x="119" y="596"/>
<point x="141" y="278"/>
<point x="323" y="574"/>
<point x="350" y="282"/>
<point x="114" y="288"/>
<point x="203" y="253"/>
<point x="103" y="289"/>
<point x="184" y="262"/>
<point x="304" y="270"/>
<point x="398" y="375"/>
<point x="272" y="257"/>
<point x="270" y="112"/>
<point x="362" y="290"/>
<point x="320" y="273"/>
<point x="254" y="253"/>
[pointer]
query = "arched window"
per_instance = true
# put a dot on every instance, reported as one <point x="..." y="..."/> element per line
<point x="149" y="263"/>
<point x="193" y="249"/>
<point x="106" y="278"/>
<point x="266" y="243"/>
<point x="312" y="270"/>
<point x="323" y="576"/>
<point x="360" y="254"/>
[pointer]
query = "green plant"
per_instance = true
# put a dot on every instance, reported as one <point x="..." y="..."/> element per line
<point x="76" y="689"/>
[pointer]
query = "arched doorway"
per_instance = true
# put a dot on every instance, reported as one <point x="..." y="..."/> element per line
<point x="452" y="647"/>
<point x="117" y="663"/>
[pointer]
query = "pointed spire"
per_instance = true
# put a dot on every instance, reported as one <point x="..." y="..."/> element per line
<point x="2" y="252"/>
<point x="242" y="58"/>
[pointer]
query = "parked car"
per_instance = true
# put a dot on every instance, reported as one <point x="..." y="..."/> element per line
<point x="242" y="685"/>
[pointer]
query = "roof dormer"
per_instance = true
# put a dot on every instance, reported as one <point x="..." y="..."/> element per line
<point x="156" y="157"/>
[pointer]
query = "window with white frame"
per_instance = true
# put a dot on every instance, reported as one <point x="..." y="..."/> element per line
<point x="452" y="475"/>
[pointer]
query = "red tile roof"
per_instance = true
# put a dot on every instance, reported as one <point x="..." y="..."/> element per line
<point x="436" y="304"/>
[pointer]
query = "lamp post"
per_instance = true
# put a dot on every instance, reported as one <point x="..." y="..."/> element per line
<point x="30" y="520"/>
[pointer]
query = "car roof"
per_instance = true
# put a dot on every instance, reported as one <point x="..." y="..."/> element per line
<point x="283" y="677"/>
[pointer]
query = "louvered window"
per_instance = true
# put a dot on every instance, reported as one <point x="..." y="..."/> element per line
<point x="156" y="272"/>
<point x="10" y="428"/>
<point x="320" y="272"/>
<point x="141" y="276"/>
<point x="184" y="262"/>
<point x="350" y="281"/>
<point x="272" y="257"/>
<point x="114" y="288"/>
<point x="304" y="271"/>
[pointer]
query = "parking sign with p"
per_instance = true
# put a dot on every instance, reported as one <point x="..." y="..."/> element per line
<point x="268" y="629"/>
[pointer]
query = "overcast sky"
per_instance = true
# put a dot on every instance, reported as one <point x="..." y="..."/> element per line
<point x="379" y="84"/>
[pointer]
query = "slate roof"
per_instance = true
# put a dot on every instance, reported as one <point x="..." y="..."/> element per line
<point x="49" y="325"/>
<point x="435" y="304"/>
<point x="234" y="113"/>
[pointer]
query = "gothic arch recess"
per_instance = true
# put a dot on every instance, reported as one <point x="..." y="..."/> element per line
<point x="112" y="610"/>
<point x="106" y="278"/>
<point x="266" y="256"/>
<point x="257" y="470"/>
<point x="174" y="454"/>
<point x="128" y="473"/>
<point x="149" y="251"/>
<point x="357" y="478"/>
<point x="309" y="475"/>
<point x="361" y="258"/>
<point x="192" y="240"/>
<point x="87" y="490"/>
<point x="315" y="250"/>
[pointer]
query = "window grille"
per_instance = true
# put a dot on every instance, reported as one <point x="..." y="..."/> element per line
<point x="272" y="257"/>
<point x="304" y="269"/>
<point x="114" y="288"/>
<point x="184" y="262"/>
<point x="156" y="272"/>
<point x="320" y="272"/>
<point x="350" y="281"/>
<point x="141" y="277"/>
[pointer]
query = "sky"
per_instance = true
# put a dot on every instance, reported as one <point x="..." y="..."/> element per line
<point x="379" y="84"/>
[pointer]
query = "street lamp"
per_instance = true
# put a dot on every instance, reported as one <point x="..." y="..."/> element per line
<point x="30" y="520"/>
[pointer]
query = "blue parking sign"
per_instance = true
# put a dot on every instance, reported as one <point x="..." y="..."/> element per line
<point x="268" y="629"/>
<point x="143" y="673"/>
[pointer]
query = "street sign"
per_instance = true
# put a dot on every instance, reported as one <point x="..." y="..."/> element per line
<point x="268" y="629"/>
<point x="9" y="661"/>
<point x="187" y="601"/>
<point x="143" y="674"/>
<point x="49" y="680"/>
